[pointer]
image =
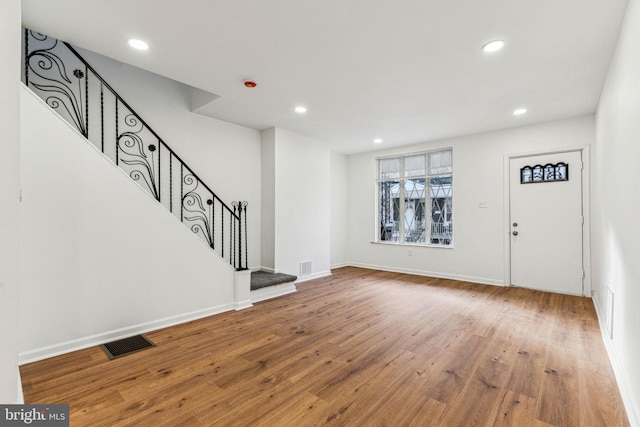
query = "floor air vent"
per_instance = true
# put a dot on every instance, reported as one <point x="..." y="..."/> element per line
<point x="126" y="346"/>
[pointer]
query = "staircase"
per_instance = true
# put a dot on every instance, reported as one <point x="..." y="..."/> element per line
<point x="69" y="85"/>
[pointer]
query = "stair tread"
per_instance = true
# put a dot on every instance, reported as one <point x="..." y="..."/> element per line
<point x="261" y="279"/>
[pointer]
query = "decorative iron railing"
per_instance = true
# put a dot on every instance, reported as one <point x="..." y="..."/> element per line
<point x="68" y="84"/>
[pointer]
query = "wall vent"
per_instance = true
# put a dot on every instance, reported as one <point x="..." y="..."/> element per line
<point x="305" y="268"/>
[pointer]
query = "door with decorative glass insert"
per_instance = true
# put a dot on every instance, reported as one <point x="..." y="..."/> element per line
<point x="546" y="222"/>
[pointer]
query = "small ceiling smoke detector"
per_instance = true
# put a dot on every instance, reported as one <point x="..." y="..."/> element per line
<point x="300" y="109"/>
<point x="250" y="84"/>
<point x="138" y="44"/>
<point x="493" y="46"/>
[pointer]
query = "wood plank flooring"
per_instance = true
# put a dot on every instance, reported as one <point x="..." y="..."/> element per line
<point x="359" y="348"/>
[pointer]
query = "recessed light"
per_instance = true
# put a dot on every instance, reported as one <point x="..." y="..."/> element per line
<point x="519" y="111"/>
<point x="138" y="44"/>
<point x="377" y="141"/>
<point x="300" y="109"/>
<point x="493" y="46"/>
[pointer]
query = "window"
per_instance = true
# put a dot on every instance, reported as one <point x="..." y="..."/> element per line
<point x="415" y="198"/>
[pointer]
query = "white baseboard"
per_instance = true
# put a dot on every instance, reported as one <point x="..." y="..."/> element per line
<point x="462" y="278"/>
<point x="97" y="339"/>
<point x="625" y="391"/>
<point x="313" y="276"/>
<point x="269" y="292"/>
<point x="340" y="265"/>
<point x="20" y="394"/>
<point x="241" y="305"/>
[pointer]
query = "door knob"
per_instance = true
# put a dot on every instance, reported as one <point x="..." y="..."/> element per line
<point x="515" y="233"/>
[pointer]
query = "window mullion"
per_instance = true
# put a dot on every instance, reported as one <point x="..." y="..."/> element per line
<point x="402" y="188"/>
<point x="429" y="208"/>
<point x="401" y="215"/>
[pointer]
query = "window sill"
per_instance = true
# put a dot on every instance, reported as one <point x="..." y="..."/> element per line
<point x="413" y="245"/>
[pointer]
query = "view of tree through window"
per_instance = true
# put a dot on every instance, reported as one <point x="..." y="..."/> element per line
<point x="415" y="198"/>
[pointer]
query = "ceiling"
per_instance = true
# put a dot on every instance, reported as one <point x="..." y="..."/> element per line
<point x="406" y="71"/>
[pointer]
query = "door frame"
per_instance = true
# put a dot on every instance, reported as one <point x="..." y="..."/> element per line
<point x="586" y="213"/>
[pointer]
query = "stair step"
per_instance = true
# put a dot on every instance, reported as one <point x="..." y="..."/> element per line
<point x="262" y="279"/>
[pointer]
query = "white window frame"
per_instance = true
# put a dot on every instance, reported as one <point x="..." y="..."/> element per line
<point x="427" y="199"/>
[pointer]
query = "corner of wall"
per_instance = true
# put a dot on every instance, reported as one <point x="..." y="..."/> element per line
<point x="626" y="393"/>
<point x="10" y="390"/>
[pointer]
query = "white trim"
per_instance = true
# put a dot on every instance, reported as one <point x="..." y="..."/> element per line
<point x="340" y="265"/>
<point x="242" y="289"/>
<point x="269" y="292"/>
<point x="586" y="226"/>
<point x="542" y="153"/>
<point x="97" y="339"/>
<point x="313" y="276"/>
<point x="414" y="245"/>
<point x="625" y="391"/>
<point x="586" y="215"/>
<point x="481" y="280"/>
<point x="20" y="393"/>
<point x="267" y="269"/>
<point x="241" y="305"/>
<point x="414" y="153"/>
<point x="506" y="217"/>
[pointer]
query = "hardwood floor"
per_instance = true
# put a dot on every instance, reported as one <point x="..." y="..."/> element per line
<point x="361" y="347"/>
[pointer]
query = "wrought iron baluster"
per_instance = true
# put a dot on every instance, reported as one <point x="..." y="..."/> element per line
<point x="210" y="230"/>
<point x="246" y="244"/>
<point x="102" y="116"/>
<point x="117" y="142"/>
<point x="159" y="172"/>
<point x="238" y="208"/>
<point x="233" y="235"/>
<point x="222" y="233"/>
<point x="26" y="57"/>
<point x="86" y="100"/>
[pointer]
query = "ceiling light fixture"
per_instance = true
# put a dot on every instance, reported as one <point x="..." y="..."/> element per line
<point x="377" y="141"/>
<point x="138" y="44"/>
<point x="300" y="109"/>
<point x="493" y="46"/>
<point x="519" y="111"/>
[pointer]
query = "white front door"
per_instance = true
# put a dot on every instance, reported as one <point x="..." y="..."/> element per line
<point x="546" y="223"/>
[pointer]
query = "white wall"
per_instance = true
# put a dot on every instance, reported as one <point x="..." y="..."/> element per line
<point x="615" y="207"/>
<point x="10" y="198"/>
<point x="339" y="202"/>
<point x="478" y="253"/>
<point x="224" y="155"/>
<point x="268" y="199"/>
<point x="100" y="259"/>
<point x="302" y="203"/>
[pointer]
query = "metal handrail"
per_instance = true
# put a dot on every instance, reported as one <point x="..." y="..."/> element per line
<point x="46" y="72"/>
